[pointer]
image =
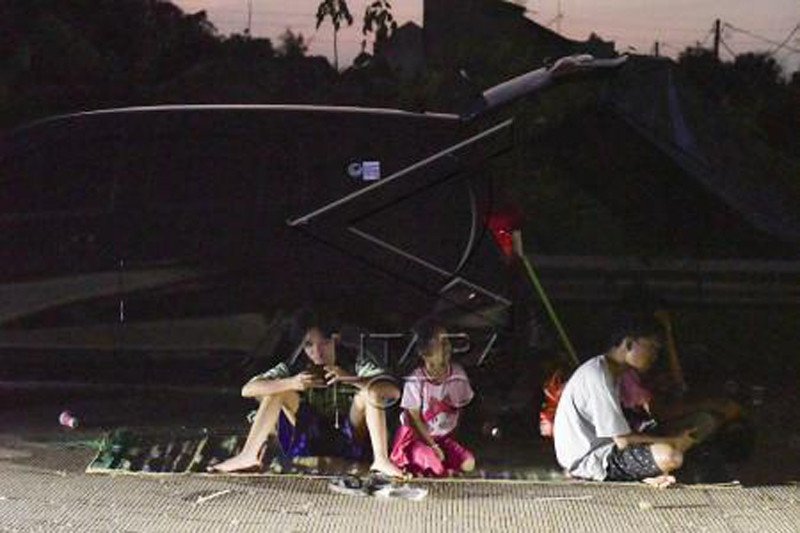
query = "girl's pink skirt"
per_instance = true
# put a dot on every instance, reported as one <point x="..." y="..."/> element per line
<point x="414" y="456"/>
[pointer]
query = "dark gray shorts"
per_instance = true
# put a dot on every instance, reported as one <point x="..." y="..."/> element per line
<point x="633" y="463"/>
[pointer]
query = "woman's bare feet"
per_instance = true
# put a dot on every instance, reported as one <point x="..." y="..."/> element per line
<point x="237" y="463"/>
<point x="386" y="467"/>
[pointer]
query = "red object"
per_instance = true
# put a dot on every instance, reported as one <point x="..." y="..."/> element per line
<point x="552" y="394"/>
<point x="502" y="226"/>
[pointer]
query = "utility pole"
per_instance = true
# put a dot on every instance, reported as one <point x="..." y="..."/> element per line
<point x="559" y="16"/>
<point x="655" y="49"/>
<point x="716" y="39"/>
<point x="249" y="17"/>
<point x="557" y="19"/>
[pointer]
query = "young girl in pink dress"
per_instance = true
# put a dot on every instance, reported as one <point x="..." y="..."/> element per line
<point x="433" y="395"/>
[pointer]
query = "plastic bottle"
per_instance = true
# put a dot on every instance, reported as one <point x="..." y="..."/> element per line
<point x="68" y="420"/>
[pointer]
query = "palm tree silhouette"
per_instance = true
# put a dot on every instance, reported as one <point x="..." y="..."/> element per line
<point x="338" y="12"/>
<point x="378" y="19"/>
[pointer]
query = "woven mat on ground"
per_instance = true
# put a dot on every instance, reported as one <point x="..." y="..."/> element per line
<point x="143" y="451"/>
<point x="128" y="450"/>
<point x="132" y="451"/>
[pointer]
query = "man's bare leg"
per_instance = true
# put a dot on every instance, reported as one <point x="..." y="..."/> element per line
<point x="668" y="459"/>
<point x="264" y="423"/>
<point x="369" y="409"/>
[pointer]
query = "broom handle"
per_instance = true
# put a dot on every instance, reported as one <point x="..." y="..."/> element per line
<point x="534" y="278"/>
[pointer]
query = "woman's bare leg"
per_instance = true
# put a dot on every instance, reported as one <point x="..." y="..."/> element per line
<point x="264" y="423"/>
<point x="369" y="409"/>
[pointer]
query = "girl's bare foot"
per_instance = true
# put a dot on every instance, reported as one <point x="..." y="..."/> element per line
<point x="237" y="463"/>
<point x="386" y="467"/>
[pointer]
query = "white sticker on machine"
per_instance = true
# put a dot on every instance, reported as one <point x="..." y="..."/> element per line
<point x="371" y="170"/>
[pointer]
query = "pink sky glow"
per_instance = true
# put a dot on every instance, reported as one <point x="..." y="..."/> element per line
<point x="757" y="25"/>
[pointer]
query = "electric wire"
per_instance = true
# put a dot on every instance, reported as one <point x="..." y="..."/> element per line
<point x="727" y="48"/>
<point x="764" y="39"/>
<point x="786" y="40"/>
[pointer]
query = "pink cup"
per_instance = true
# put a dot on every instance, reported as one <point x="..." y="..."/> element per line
<point x="68" y="420"/>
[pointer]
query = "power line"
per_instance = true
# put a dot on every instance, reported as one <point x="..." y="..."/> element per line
<point x="764" y="39"/>
<point x="646" y="30"/>
<point x="728" y="48"/>
<point x="626" y="25"/>
<point x="791" y="33"/>
<point x="709" y="33"/>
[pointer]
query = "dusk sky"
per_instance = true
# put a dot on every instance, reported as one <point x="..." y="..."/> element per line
<point x="760" y="25"/>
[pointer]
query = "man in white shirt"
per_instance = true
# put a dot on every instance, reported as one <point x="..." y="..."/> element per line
<point x="592" y="437"/>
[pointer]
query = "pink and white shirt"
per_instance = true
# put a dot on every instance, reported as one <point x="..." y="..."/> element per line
<point x="438" y="401"/>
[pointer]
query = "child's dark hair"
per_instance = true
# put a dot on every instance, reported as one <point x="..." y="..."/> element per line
<point x="634" y="325"/>
<point x="305" y="319"/>
<point x="302" y="320"/>
<point x="425" y="330"/>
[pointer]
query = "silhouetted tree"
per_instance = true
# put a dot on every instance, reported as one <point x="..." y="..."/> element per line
<point x="82" y="54"/>
<point x="753" y="92"/>
<point x="338" y="12"/>
<point x="378" y="20"/>
<point x="292" y="45"/>
<point x="795" y="81"/>
<point x="705" y="70"/>
<point x="756" y="73"/>
<point x="246" y="49"/>
<point x="759" y="92"/>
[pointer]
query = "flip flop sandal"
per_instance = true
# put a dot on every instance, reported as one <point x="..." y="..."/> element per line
<point x="381" y="478"/>
<point x="348" y="484"/>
